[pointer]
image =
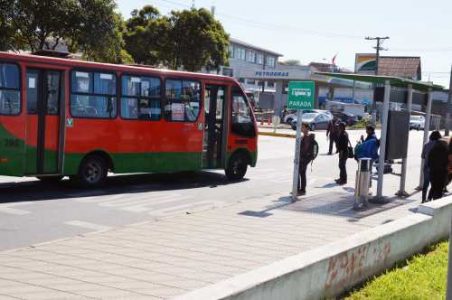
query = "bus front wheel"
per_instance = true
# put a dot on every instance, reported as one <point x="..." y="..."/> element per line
<point x="92" y="171"/>
<point x="237" y="167"/>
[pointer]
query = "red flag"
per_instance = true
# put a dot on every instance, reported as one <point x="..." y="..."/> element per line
<point x="333" y="60"/>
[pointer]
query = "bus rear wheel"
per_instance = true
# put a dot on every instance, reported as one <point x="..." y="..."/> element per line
<point x="237" y="167"/>
<point x="92" y="171"/>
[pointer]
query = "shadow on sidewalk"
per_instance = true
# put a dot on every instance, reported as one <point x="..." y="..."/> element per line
<point x="39" y="191"/>
<point x="333" y="203"/>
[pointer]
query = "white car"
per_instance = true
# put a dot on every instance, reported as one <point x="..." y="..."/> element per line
<point x="417" y="122"/>
<point x="291" y="117"/>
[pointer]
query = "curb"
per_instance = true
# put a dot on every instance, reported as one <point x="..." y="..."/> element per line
<point x="285" y="135"/>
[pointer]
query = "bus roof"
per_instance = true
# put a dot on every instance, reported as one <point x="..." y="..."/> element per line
<point x="69" y="62"/>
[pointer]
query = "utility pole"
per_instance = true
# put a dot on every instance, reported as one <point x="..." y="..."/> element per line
<point x="379" y="40"/>
<point x="449" y="105"/>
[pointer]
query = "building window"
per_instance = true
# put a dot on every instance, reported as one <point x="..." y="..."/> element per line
<point x="9" y="89"/>
<point x="93" y="95"/>
<point x="251" y="81"/>
<point x="183" y="100"/>
<point x="239" y="53"/>
<point x="242" y="80"/>
<point x="260" y="58"/>
<point x="140" y="98"/>
<point x="228" y="72"/>
<point x="270" y="61"/>
<point x="231" y="51"/>
<point x="271" y="84"/>
<point x="250" y="56"/>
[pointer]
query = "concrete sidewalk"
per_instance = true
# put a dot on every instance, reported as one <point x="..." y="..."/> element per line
<point x="168" y="257"/>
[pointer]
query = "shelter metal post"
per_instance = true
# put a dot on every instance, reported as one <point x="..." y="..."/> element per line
<point x="428" y="113"/>
<point x="384" y="132"/>
<point x="402" y="192"/>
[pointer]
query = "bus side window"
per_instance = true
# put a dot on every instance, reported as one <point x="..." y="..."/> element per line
<point x="93" y="95"/>
<point x="183" y="99"/>
<point x="140" y="98"/>
<point x="242" y="121"/>
<point x="9" y="89"/>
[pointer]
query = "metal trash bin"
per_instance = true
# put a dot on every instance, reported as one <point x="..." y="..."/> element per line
<point x="363" y="177"/>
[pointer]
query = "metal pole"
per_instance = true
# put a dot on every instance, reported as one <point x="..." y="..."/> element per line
<point x="297" y="156"/>
<point x="428" y="113"/>
<point x="449" y="272"/>
<point x="449" y="106"/>
<point x="384" y="131"/>
<point x="402" y="192"/>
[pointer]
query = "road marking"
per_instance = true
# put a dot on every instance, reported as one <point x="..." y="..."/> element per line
<point x="87" y="225"/>
<point x="137" y="202"/>
<point x="7" y="209"/>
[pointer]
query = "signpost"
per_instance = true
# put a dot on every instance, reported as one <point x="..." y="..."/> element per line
<point x="300" y="96"/>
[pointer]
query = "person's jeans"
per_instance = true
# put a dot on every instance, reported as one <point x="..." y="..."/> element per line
<point x="437" y="180"/>
<point x="332" y="141"/>
<point x="302" y="175"/>
<point x="343" y="169"/>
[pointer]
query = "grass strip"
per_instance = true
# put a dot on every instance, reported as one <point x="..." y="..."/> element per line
<point x="423" y="276"/>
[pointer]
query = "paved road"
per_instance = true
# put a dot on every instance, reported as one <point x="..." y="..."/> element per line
<point x="32" y="212"/>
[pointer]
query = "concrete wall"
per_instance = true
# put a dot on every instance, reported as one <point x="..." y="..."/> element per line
<point x="330" y="270"/>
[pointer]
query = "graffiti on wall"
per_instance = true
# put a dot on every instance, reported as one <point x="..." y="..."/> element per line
<point x="350" y="266"/>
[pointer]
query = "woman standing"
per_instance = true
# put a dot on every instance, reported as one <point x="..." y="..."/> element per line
<point x="342" y="147"/>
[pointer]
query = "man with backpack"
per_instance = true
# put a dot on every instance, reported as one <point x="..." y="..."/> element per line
<point x="308" y="152"/>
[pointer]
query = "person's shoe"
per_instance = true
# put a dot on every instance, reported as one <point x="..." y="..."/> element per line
<point x="301" y="193"/>
<point x="329" y="153"/>
<point x="341" y="182"/>
<point x="337" y="180"/>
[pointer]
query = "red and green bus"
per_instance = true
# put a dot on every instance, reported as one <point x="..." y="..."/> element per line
<point x="63" y="117"/>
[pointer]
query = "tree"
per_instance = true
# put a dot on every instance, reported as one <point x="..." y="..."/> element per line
<point x="196" y="40"/>
<point x="292" y="62"/>
<point x="89" y="26"/>
<point x="7" y="32"/>
<point x="147" y="34"/>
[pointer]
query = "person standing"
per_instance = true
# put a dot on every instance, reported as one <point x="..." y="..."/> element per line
<point x="342" y="147"/>
<point x="437" y="164"/>
<point x="331" y="133"/>
<point x="433" y="139"/>
<point x="306" y="156"/>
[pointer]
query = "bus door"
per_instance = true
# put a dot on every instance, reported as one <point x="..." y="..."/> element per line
<point x="44" y="98"/>
<point x="214" y="129"/>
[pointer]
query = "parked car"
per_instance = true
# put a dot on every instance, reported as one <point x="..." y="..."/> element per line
<point x="315" y="121"/>
<point x="292" y="116"/>
<point x="347" y="118"/>
<point x="417" y="122"/>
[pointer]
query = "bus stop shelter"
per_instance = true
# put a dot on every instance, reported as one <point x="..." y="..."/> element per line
<point x="390" y="86"/>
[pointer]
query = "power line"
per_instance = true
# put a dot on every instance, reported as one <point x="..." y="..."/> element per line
<point x="269" y="26"/>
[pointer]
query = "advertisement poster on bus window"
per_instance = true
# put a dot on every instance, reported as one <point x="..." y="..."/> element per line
<point x="177" y="111"/>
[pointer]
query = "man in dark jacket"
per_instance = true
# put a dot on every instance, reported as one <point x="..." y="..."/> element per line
<point x="437" y="165"/>
<point x="331" y="133"/>
<point x="306" y="156"/>
<point x="433" y="139"/>
<point x="342" y="147"/>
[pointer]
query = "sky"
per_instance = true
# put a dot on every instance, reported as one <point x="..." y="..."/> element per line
<point x="315" y="31"/>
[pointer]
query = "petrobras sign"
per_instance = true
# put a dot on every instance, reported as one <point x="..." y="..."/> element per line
<point x="271" y="74"/>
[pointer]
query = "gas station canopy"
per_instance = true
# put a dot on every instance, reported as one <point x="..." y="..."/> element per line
<point x="380" y="79"/>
